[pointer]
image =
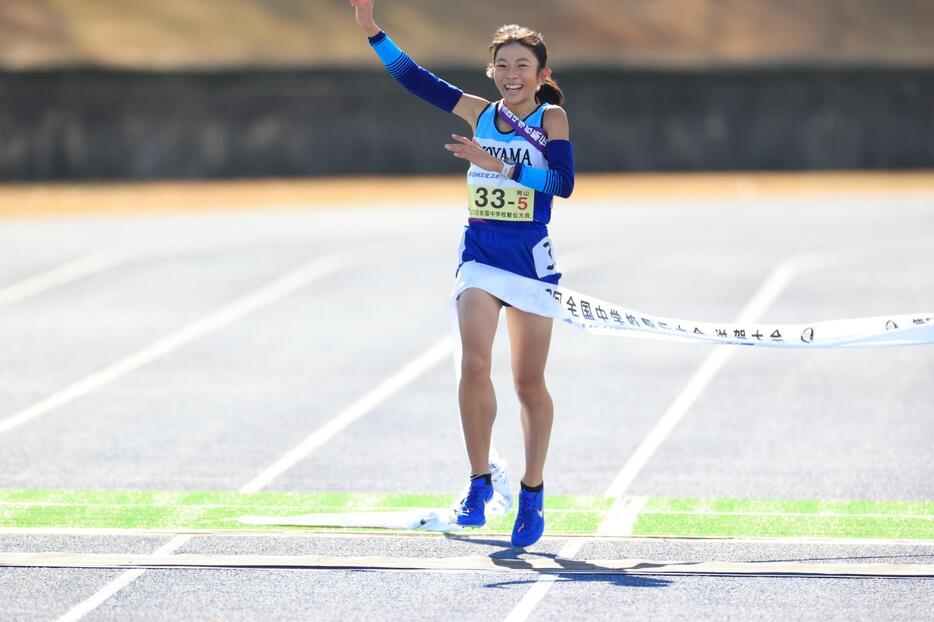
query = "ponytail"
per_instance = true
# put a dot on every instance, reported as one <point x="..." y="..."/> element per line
<point x="550" y="93"/>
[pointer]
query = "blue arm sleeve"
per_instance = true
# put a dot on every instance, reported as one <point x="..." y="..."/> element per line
<point x="415" y="79"/>
<point x="558" y="178"/>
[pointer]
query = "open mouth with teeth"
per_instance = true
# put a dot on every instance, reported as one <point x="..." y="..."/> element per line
<point x="513" y="87"/>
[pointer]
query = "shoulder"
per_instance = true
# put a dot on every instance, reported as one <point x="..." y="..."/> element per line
<point x="469" y="108"/>
<point x="555" y="123"/>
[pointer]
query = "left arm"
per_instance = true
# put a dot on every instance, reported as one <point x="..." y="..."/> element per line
<point x="558" y="178"/>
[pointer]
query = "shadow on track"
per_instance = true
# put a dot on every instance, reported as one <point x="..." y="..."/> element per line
<point x="617" y="580"/>
<point x="509" y="557"/>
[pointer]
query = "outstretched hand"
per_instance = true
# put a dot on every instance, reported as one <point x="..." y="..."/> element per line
<point x="470" y="150"/>
<point x="364" y="13"/>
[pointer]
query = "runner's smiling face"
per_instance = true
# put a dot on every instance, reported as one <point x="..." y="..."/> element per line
<point x="517" y="75"/>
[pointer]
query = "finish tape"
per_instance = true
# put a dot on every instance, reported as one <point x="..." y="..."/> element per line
<point x="601" y="317"/>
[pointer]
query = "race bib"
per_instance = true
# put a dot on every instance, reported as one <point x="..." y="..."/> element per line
<point x="495" y="203"/>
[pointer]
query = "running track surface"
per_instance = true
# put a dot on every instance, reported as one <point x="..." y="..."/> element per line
<point x="298" y="346"/>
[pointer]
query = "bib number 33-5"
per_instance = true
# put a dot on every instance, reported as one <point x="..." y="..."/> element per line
<point x="494" y="203"/>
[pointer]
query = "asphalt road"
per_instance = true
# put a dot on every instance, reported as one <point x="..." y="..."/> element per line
<point x="233" y="393"/>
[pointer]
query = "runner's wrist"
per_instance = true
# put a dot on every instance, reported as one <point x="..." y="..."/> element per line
<point x="371" y="29"/>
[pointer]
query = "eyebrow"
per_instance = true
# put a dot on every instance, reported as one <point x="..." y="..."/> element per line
<point x="518" y="60"/>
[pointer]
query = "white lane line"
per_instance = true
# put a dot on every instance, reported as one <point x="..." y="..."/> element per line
<point x="94" y="601"/>
<point x="85" y="607"/>
<point x="774" y="284"/>
<point x="65" y="273"/>
<point x="424" y="362"/>
<point x="267" y="294"/>
<point x="227" y="314"/>
<point x="92" y="264"/>
<point x="768" y="292"/>
<point x="114" y="257"/>
<point x="621" y="517"/>
<point x="536" y="593"/>
<point x="421" y="364"/>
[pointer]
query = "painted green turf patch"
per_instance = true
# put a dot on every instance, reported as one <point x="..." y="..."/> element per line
<point x="661" y="516"/>
<point x="910" y="520"/>
<point x="219" y="511"/>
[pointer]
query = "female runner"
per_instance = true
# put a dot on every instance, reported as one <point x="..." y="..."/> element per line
<point x="511" y="182"/>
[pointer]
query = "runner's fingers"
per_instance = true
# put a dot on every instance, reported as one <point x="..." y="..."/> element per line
<point x="459" y="148"/>
<point x="467" y="142"/>
<point x="470" y="147"/>
<point x="456" y="150"/>
<point x="465" y="149"/>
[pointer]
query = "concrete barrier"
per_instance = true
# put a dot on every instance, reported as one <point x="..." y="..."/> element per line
<point x="94" y="124"/>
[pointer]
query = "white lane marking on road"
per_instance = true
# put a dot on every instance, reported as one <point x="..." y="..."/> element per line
<point x="126" y="578"/>
<point x="767" y="293"/>
<point x="267" y="294"/>
<point x="408" y="374"/>
<point x="770" y="289"/>
<point x="86" y="606"/>
<point x="65" y="273"/>
<point x="227" y="314"/>
<point x="621" y="517"/>
<point x="93" y="263"/>
<point x="425" y="361"/>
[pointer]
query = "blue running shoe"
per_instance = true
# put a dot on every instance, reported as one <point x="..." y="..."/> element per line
<point x="530" y="521"/>
<point x="472" y="510"/>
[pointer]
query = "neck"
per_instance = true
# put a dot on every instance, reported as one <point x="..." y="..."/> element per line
<point x="522" y="109"/>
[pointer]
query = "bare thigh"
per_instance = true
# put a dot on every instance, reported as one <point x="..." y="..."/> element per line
<point x="477" y="317"/>
<point x="529" y="342"/>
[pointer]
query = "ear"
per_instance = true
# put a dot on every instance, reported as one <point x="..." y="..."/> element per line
<point x="544" y="73"/>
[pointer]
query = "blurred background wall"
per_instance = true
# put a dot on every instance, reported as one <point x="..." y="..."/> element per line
<point x="105" y="89"/>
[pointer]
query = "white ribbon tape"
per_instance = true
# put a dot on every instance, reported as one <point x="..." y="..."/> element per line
<point x="417" y="520"/>
<point x="602" y="317"/>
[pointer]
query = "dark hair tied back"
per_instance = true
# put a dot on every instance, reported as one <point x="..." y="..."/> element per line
<point x="549" y="92"/>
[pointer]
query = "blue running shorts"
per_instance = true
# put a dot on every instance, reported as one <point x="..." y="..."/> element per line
<point x="526" y="251"/>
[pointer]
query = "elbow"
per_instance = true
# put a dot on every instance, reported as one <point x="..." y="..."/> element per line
<point x="566" y="194"/>
<point x="560" y="156"/>
<point x="566" y="187"/>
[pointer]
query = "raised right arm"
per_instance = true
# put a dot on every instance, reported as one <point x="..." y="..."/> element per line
<point x="416" y="79"/>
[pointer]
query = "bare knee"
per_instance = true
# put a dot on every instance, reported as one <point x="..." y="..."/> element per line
<point x="475" y="367"/>
<point x="531" y="391"/>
